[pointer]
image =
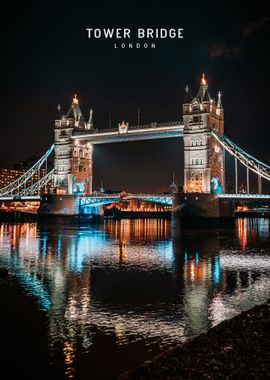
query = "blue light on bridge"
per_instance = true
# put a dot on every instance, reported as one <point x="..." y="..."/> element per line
<point x="215" y="186"/>
<point x="78" y="188"/>
<point x="89" y="210"/>
<point x="88" y="203"/>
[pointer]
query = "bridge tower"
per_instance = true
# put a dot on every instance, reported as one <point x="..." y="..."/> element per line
<point x="73" y="158"/>
<point x="204" y="165"/>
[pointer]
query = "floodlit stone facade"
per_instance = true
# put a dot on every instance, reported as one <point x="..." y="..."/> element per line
<point x="203" y="155"/>
<point x="73" y="159"/>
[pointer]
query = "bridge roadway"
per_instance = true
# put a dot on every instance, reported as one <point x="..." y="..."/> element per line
<point x="133" y="133"/>
<point x="166" y="199"/>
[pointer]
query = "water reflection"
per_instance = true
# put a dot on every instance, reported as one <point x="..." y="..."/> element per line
<point x="133" y="282"/>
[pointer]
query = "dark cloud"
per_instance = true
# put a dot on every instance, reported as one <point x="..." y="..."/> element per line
<point x="223" y="50"/>
<point x="254" y="26"/>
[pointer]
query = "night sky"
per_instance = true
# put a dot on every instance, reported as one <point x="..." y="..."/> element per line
<point x="47" y="57"/>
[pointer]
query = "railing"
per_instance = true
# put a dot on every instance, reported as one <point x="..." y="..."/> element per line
<point x="131" y="128"/>
<point x="249" y="161"/>
<point x="125" y="195"/>
<point x="245" y="196"/>
<point x="31" y="190"/>
<point x="149" y="195"/>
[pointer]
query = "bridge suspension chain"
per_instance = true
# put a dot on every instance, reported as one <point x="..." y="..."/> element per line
<point x="31" y="190"/>
<point x="252" y="163"/>
<point x="15" y="187"/>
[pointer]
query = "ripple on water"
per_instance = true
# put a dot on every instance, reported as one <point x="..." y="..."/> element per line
<point x="134" y="283"/>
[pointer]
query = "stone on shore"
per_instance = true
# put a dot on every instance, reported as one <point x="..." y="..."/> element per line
<point x="3" y="272"/>
<point x="235" y="349"/>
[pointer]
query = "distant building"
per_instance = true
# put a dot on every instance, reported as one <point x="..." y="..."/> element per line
<point x="8" y="175"/>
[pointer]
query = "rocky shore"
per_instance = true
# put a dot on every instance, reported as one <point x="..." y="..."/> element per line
<point x="235" y="349"/>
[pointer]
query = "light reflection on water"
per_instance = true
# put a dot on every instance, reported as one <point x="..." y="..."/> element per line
<point x="130" y="282"/>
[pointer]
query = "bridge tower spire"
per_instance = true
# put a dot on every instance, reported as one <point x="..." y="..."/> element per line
<point x="203" y="156"/>
<point x="90" y="121"/>
<point x="219" y="105"/>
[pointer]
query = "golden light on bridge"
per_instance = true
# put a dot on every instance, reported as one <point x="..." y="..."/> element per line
<point x="75" y="100"/>
<point x="203" y="80"/>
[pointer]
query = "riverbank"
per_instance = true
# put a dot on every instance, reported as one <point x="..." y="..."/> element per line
<point x="235" y="349"/>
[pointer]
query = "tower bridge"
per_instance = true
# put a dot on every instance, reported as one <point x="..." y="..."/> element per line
<point x="68" y="186"/>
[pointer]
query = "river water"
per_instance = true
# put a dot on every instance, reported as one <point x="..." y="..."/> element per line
<point x="91" y="301"/>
